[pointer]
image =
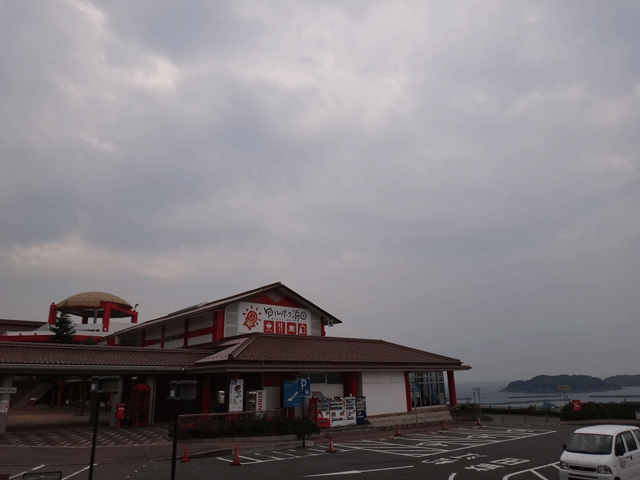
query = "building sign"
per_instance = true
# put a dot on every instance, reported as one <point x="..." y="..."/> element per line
<point x="4" y="406"/>
<point x="260" y="401"/>
<point x="8" y="390"/>
<point x="256" y="317"/>
<point x="236" y="395"/>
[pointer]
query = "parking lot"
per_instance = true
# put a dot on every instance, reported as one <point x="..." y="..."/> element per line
<point x="498" y="451"/>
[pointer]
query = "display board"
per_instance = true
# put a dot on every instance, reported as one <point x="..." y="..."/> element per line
<point x="256" y="317"/>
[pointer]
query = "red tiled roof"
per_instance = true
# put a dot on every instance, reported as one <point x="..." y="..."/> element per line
<point x="251" y="352"/>
<point x="82" y="358"/>
<point x="284" y="349"/>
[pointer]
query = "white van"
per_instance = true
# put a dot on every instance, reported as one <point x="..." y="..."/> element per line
<point x="602" y="452"/>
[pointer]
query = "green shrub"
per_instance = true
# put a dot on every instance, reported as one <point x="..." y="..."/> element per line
<point x="259" y="427"/>
<point x="600" y="411"/>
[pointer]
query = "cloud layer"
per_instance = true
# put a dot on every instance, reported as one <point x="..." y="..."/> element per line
<point x="461" y="178"/>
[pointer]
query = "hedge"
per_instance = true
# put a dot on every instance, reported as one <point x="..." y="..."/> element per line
<point x="246" y="427"/>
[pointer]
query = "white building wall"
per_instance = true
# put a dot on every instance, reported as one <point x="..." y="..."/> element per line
<point x="385" y="392"/>
<point x="175" y="329"/>
<point x="198" y="323"/>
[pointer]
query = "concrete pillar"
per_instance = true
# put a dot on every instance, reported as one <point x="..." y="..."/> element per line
<point x="151" y="381"/>
<point x="5" y="400"/>
<point x="115" y="399"/>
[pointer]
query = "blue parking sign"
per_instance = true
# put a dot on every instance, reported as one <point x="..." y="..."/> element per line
<point x="291" y="397"/>
<point x="304" y="387"/>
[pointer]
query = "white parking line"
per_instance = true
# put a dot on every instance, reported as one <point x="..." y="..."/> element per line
<point x="22" y="473"/>
<point x="532" y="470"/>
<point x="79" y="471"/>
<point x="355" y="472"/>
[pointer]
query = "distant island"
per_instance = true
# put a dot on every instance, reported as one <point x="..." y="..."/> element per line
<point x="577" y="383"/>
<point x="624" y="380"/>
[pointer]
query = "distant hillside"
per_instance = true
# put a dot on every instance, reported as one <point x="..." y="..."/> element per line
<point x="549" y="383"/>
<point x="624" y="380"/>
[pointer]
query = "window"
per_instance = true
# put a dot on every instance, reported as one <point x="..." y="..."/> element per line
<point x="620" y="446"/>
<point x="328" y="378"/>
<point x="427" y="389"/>
<point x="318" y="378"/>
<point x="631" y="443"/>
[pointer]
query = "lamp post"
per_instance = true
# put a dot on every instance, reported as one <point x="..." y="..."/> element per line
<point x="99" y="385"/>
<point x="183" y="390"/>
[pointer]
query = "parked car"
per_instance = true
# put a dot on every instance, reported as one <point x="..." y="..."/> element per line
<point x="602" y="452"/>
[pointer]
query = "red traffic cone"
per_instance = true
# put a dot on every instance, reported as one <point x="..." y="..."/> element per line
<point x="444" y="426"/>
<point x="479" y="422"/>
<point x="236" y="460"/>
<point x="185" y="456"/>
<point x="398" y="434"/>
<point x="331" y="450"/>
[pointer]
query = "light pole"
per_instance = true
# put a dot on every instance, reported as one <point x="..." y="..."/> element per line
<point x="183" y="390"/>
<point x="99" y="385"/>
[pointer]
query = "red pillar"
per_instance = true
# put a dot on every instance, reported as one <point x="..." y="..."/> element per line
<point x="206" y="394"/>
<point x="134" y="317"/>
<point x="407" y="386"/>
<point x="52" y="314"/>
<point x="453" y="401"/>
<point x="106" y="316"/>
<point x="350" y="384"/>
<point x="218" y="325"/>
<point x="323" y="332"/>
<point x="85" y="319"/>
<point x="60" y="394"/>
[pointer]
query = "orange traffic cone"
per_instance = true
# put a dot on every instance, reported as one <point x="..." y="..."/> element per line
<point x="185" y="456"/>
<point x="236" y="460"/>
<point x="479" y="422"/>
<point x="331" y="450"/>
<point x="444" y="426"/>
<point x="398" y="434"/>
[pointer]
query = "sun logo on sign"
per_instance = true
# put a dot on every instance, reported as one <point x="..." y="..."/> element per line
<point x="251" y="317"/>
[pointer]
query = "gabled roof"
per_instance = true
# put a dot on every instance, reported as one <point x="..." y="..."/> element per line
<point x="223" y="302"/>
<point x="93" y="359"/>
<point x="260" y="351"/>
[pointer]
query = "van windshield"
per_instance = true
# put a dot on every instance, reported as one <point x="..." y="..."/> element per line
<point x="590" y="443"/>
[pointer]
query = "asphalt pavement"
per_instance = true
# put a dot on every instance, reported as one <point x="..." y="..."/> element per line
<point x="42" y="435"/>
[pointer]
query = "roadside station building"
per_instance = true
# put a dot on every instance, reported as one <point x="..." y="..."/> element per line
<point x="259" y="341"/>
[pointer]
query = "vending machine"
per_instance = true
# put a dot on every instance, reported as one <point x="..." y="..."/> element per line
<point x="319" y="411"/>
<point x="350" y="411"/>
<point x="337" y="412"/>
<point x="361" y="410"/>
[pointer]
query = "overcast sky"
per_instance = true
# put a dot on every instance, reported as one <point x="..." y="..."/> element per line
<point x="458" y="177"/>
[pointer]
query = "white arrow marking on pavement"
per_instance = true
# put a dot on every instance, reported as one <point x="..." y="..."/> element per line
<point x="353" y="472"/>
<point x="452" y="476"/>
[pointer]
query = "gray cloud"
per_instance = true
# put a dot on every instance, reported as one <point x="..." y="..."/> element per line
<point x="455" y="177"/>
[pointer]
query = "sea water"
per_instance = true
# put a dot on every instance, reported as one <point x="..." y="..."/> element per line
<point x="490" y="394"/>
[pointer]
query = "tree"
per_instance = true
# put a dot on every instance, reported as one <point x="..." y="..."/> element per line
<point x="63" y="329"/>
